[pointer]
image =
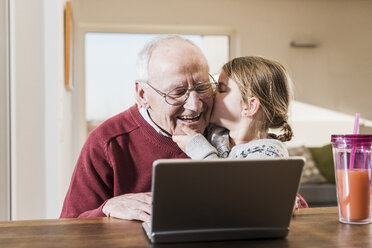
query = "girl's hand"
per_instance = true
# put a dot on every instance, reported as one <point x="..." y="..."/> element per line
<point x="183" y="139"/>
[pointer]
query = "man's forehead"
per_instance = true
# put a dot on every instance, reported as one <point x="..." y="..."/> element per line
<point x="178" y="43"/>
<point x="176" y="50"/>
<point x="174" y="60"/>
<point x="181" y="75"/>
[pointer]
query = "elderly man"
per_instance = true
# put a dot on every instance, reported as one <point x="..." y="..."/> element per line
<point x="114" y="169"/>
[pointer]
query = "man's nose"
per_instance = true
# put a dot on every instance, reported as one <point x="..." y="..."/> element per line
<point x="193" y="102"/>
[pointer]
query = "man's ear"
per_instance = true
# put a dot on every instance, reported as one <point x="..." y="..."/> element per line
<point x="140" y="97"/>
<point x="250" y="107"/>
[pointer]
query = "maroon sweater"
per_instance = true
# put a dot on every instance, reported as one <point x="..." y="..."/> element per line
<point x="116" y="159"/>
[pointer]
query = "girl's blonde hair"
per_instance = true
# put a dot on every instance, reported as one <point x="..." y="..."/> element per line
<point x="269" y="82"/>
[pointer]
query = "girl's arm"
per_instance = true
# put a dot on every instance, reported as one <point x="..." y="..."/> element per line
<point x="195" y="145"/>
<point x="199" y="148"/>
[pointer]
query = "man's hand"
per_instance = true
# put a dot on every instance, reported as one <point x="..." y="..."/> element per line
<point x="136" y="206"/>
<point x="183" y="139"/>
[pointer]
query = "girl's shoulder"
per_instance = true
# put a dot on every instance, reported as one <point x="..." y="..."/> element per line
<point x="263" y="148"/>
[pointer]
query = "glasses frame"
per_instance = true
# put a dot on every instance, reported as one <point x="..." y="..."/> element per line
<point x="164" y="95"/>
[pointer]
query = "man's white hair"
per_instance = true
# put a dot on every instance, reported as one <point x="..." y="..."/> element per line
<point x="143" y="59"/>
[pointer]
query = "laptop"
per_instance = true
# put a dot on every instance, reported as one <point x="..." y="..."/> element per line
<point x="222" y="199"/>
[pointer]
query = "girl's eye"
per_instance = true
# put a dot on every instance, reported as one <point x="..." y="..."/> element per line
<point x="222" y="87"/>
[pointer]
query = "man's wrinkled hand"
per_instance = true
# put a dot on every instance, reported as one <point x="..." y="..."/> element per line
<point x="135" y="206"/>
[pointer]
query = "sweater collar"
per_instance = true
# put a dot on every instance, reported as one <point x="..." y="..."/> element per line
<point x="146" y="116"/>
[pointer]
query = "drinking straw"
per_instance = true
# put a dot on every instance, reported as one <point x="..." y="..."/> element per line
<point x="353" y="148"/>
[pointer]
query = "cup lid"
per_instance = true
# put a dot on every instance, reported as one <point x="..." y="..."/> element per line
<point x="351" y="138"/>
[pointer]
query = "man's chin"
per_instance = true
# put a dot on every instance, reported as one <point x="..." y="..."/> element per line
<point x="197" y="126"/>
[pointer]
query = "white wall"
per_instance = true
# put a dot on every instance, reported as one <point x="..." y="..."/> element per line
<point x="38" y="103"/>
<point x="58" y="110"/>
<point x="27" y="108"/>
<point x="313" y="126"/>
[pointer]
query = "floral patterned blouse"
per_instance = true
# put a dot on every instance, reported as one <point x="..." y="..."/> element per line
<point x="264" y="148"/>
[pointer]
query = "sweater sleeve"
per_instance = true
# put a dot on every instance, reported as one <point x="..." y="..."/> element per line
<point x="199" y="148"/>
<point x="91" y="184"/>
<point x="301" y="202"/>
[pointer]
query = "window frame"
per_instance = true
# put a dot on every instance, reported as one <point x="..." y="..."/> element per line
<point x="5" y="201"/>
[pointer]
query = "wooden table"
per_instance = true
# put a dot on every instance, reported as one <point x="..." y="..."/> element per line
<point x="314" y="227"/>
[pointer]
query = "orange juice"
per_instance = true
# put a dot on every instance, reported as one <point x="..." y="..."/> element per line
<point x="353" y="190"/>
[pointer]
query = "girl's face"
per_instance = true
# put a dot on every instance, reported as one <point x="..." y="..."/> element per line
<point x="227" y="104"/>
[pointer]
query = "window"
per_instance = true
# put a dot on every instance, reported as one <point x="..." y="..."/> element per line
<point x="110" y="60"/>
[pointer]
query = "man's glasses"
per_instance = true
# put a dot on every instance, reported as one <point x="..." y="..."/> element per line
<point x="179" y="95"/>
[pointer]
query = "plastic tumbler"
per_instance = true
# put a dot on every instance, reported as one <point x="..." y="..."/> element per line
<point x="352" y="159"/>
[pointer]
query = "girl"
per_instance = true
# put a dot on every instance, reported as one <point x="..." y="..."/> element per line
<point x="253" y="96"/>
